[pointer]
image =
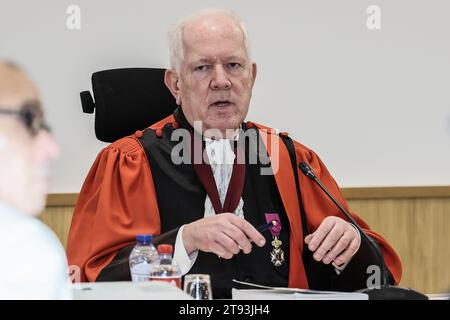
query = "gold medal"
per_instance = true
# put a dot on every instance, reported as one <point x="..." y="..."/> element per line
<point x="277" y="254"/>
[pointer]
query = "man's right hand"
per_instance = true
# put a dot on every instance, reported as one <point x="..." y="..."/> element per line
<point x="224" y="234"/>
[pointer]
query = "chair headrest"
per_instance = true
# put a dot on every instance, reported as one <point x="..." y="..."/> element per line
<point x="127" y="100"/>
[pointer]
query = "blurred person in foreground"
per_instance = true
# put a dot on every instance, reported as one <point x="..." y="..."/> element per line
<point x="33" y="264"/>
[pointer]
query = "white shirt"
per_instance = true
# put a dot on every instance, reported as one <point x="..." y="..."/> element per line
<point x="33" y="264"/>
<point x="221" y="158"/>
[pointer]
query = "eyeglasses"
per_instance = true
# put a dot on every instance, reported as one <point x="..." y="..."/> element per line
<point x="31" y="115"/>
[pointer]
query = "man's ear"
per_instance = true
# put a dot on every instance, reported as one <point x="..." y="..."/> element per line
<point x="254" y="72"/>
<point x="171" y="81"/>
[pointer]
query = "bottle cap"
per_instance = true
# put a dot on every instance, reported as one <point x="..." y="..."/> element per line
<point x="144" y="238"/>
<point x="165" y="248"/>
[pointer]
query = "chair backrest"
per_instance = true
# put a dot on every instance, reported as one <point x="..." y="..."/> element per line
<point x="127" y="100"/>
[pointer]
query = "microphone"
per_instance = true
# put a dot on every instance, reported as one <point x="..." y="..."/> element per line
<point x="385" y="291"/>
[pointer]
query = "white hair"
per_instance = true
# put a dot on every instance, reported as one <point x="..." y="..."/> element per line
<point x="175" y="35"/>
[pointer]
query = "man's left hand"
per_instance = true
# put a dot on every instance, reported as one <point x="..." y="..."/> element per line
<point x="335" y="240"/>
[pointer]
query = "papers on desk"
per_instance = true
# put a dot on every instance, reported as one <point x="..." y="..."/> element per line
<point x="275" y="293"/>
<point x="278" y="294"/>
<point x="152" y="290"/>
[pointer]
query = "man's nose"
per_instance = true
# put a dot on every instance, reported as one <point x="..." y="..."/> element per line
<point x="220" y="79"/>
<point x="46" y="147"/>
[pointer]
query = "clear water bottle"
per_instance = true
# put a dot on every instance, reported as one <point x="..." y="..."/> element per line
<point x="165" y="268"/>
<point x="142" y="258"/>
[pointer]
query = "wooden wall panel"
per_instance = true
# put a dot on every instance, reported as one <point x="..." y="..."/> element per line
<point x="58" y="219"/>
<point x="418" y="229"/>
<point x="415" y="221"/>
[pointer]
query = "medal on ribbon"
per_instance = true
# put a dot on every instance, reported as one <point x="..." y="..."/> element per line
<point x="277" y="254"/>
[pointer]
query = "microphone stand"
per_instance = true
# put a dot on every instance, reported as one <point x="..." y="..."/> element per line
<point x="385" y="291"/>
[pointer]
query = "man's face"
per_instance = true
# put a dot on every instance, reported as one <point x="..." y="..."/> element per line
<point x="24" y="157"/>
<point x="216" y="77"/>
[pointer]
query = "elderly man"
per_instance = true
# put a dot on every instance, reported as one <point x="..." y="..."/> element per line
<point x="209" y="209"/>
<point x="34" y="265"/>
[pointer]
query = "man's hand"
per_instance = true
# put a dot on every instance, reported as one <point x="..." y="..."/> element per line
<point x="335" y="240"/>
<point x="224" y="234"/>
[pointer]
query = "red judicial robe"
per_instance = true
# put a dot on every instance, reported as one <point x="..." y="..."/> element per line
<point x="118" y="201"/>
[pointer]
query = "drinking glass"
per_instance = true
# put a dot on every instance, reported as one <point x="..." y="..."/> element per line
<point x="198" y="286"/>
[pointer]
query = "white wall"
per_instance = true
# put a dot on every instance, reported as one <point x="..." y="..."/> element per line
<point x="374" y="104"/>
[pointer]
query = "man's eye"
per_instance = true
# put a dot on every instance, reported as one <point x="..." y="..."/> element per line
<point x="202" y="68"/>
<point x="234" y="65"/>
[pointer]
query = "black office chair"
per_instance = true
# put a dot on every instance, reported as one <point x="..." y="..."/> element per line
<point x="127" y="100"/>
